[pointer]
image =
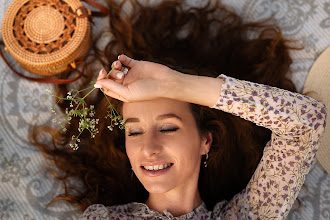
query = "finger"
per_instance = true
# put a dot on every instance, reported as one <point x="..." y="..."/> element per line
<point x="127" y="61"/>
<point x="109" y="84"/>
<point x="114" y="95"/>
<point x="102" y="74"/>
<point x="116" y="65"/>
<point x="116" y="75"/>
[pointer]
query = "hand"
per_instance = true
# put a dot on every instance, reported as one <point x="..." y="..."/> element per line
<point x="144" y="80"/>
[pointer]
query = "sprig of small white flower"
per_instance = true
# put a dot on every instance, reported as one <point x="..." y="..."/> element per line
<point x="115" y="120"/>
<point x="78" y="108"/>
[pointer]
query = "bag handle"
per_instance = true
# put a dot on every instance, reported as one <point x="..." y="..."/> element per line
<point x="103" y="10"/>
<point x="46" y="80"/>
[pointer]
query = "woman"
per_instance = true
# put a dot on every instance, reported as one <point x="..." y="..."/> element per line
<point x="164" y="145"/>
<point x="181" y="159"/>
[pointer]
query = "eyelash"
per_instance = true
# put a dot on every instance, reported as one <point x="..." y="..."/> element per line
<point x="163" y="131"/>
<point x="170" y="130"/>
<point x="134" y="133"/>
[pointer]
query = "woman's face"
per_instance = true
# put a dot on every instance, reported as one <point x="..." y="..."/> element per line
<point x="163" y="144"/>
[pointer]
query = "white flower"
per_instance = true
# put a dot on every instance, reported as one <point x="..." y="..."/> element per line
<point x="74" y="146"/>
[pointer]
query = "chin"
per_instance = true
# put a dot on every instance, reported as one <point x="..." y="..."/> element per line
<point x="158" y="187"/>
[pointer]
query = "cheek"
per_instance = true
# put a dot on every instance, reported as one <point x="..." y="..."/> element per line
<point x="187" y="148"/>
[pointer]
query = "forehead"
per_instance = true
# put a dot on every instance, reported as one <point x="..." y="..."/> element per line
<point x="156" y="107"/>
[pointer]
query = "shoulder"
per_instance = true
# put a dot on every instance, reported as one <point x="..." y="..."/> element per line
<point x="100" y="212"/>
<point x="97" y="212"/>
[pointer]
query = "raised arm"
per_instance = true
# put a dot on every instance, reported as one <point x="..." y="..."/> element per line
<point x="297" y="123"/>
<point x="147" y="80"/>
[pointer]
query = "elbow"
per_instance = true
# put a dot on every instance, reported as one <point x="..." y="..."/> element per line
<point x="317" y="124"/>
<point x="314" y="117"/>
<point x="312" y="122"/>
<point x="320" y="120"/>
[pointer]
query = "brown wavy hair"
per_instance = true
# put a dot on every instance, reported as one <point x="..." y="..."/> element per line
<point x="207" y="40"/>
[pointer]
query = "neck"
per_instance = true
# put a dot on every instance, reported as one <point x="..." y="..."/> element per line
<point x="177" y="203"/>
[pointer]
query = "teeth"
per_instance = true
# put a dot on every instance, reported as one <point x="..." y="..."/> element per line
<point x="157" y="167"/>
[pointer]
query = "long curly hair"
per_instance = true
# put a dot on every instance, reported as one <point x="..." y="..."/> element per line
<point x="207" y="40"/>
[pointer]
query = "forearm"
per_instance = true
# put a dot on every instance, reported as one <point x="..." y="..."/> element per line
<point x="199" y="90"/>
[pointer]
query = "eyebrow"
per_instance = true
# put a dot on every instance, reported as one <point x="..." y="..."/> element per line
<point x="158" y="118"/>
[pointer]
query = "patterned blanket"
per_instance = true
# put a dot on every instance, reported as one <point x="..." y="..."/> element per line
<point x="25" y="188"/>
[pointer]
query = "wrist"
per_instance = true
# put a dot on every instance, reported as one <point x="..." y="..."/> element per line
<point x="177" y="85"/>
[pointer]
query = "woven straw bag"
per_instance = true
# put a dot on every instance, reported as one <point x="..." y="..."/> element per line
<point x="46" y="37"/>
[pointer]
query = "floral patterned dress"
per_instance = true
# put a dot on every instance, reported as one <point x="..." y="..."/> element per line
<point x="297" y="123"/>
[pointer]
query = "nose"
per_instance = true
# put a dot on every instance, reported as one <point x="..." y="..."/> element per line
<point x="151" y="145"/>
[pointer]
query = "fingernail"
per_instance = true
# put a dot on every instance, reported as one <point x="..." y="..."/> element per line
<point x="119" y="56"/>
<point x="120" y="75"/>
<point x="101" y="71"/>
<point x="98" y="86"/>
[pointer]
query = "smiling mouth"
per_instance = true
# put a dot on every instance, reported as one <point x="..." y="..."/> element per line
<point x="157" y="167"/>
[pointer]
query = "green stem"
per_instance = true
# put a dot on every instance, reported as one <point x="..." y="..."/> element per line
<point x="88" y="93"/>
<point x="102" y="90"/>
<point x="79" y="134"/>
<point x="109" y="102"/>
<point x="94" y="88"/>
<point x="109" y="72"/>
<point x="85" y="89"/>
<point x="77" y="107"/>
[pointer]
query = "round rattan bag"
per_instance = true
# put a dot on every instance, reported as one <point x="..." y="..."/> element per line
<point x="45" y="36"/>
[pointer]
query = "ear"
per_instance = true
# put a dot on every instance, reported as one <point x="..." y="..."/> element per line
<point x="206" y="142"/>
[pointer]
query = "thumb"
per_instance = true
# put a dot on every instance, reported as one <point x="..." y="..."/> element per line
<point x="127" y="61"/>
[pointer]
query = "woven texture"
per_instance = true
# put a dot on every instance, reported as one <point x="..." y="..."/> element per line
<point x="45" y="36"/>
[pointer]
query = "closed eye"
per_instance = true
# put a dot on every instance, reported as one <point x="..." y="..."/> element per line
<point x="169" y="130"/>
<point x="134" y="133"/>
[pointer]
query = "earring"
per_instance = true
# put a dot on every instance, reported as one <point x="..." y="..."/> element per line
<point x="207" y="157"/>
<point x="132" y="173"/>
